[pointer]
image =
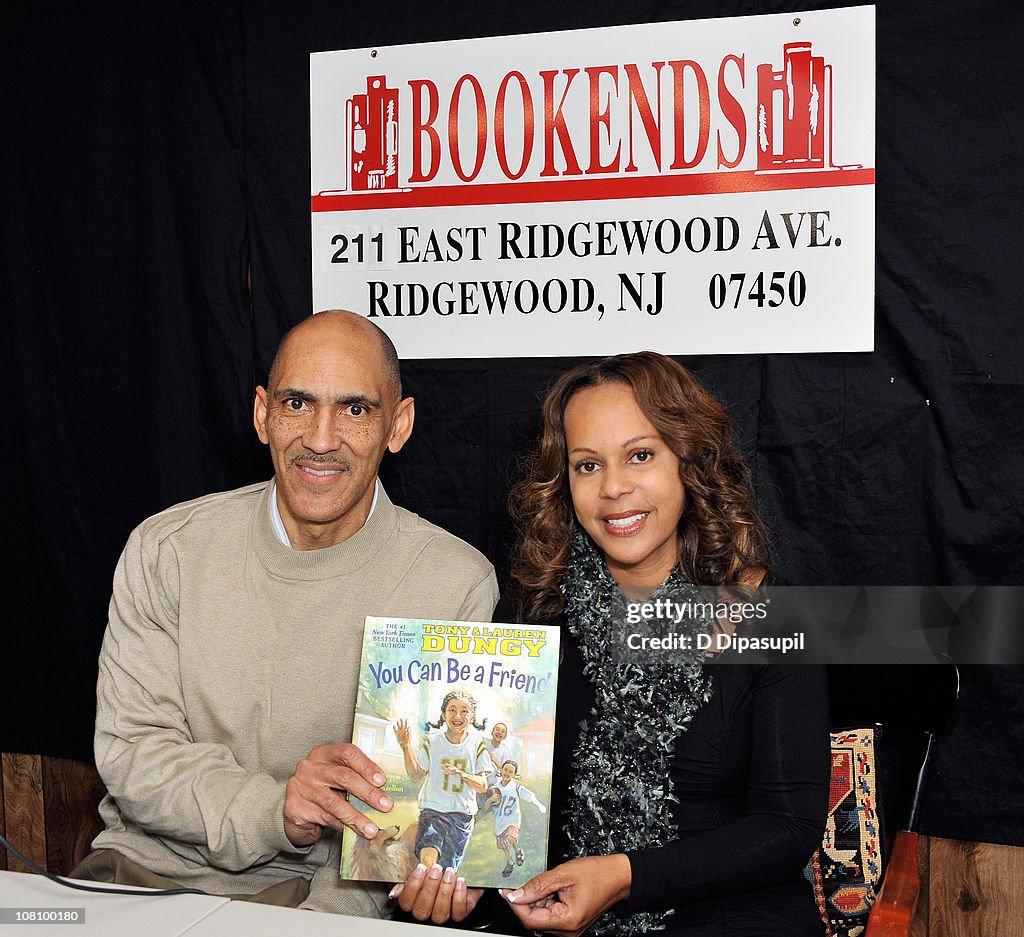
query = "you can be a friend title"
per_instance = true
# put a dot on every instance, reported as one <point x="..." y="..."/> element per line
<point x="498" y="642"/>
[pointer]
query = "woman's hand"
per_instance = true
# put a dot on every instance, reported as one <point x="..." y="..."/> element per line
<point x="436" y="895"/>
<point x="567" y="899"/>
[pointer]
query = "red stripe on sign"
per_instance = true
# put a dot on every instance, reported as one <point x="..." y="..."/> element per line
<point x="582" y="190"/>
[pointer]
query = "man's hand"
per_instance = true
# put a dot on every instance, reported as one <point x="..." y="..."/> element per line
<point x="567" y="899"/>
<point x="435" y="895"/>
<point x="314" y="796"/>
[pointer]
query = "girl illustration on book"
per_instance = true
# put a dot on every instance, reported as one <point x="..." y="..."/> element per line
<point x="498" y="748"/>
<point x="453" y="763"/>
<point x="508" y="817"/>
<point x="500" y="751"/>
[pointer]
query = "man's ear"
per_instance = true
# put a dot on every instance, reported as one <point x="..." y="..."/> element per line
<point x="259" y="415"/>
<point x="401" y="426"/>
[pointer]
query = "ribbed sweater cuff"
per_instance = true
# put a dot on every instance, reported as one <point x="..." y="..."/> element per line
<point x="261" y="820"/>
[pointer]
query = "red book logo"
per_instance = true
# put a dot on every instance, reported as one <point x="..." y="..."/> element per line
<point x="794" y="112"/>
<point x="373" y="137"/>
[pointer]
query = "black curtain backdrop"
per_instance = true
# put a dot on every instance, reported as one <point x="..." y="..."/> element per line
<point x="155" y="162"/>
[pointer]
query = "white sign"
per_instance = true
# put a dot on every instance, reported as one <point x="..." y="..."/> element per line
<point x="691" y="188"/>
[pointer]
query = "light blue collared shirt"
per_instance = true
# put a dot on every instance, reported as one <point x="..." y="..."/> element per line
<point x="278" y="524"/>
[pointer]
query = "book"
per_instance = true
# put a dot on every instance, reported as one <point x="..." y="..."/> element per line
<point x="460" y="716"/>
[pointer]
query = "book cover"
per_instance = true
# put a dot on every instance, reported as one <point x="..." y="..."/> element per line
<point x="460" y="715"/>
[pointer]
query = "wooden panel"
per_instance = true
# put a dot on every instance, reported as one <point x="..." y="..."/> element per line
<point x="71" y="792"/>
<point x="24" y="820"/>
<point x="3" y="823"/>
<point x="975" y="889"/>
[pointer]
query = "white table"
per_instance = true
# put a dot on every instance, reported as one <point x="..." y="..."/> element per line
<point x="105" y="915"/>
<point x="260" y="920"/>
<point x="176" y="915"/>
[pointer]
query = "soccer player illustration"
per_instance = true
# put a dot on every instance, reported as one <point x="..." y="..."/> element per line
<point x="508" y="816"/>
<point x="453" y="764"/>
<point x="498" y="748"/>
<point x="499" y="751"/>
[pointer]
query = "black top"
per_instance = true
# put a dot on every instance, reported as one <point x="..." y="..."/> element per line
<point x="751" y="775"/>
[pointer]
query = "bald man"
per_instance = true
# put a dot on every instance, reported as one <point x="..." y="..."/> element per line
<point x="228" y="670"/>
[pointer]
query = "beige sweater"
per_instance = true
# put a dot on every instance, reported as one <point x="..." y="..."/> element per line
<point x="227" y="657"/>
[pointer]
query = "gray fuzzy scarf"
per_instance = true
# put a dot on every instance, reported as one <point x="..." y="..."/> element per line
<point x="623" y="794"/>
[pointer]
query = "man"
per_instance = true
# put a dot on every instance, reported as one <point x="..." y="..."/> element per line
<point x="229" y="667"/>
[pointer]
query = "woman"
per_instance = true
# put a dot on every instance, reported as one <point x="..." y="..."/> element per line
<point x="691" y="794"/>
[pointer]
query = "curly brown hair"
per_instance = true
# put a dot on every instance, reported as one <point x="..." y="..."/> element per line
<point x="722" y="540"/>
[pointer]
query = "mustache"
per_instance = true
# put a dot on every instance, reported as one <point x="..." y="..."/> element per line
<point x="322" y="459"/>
